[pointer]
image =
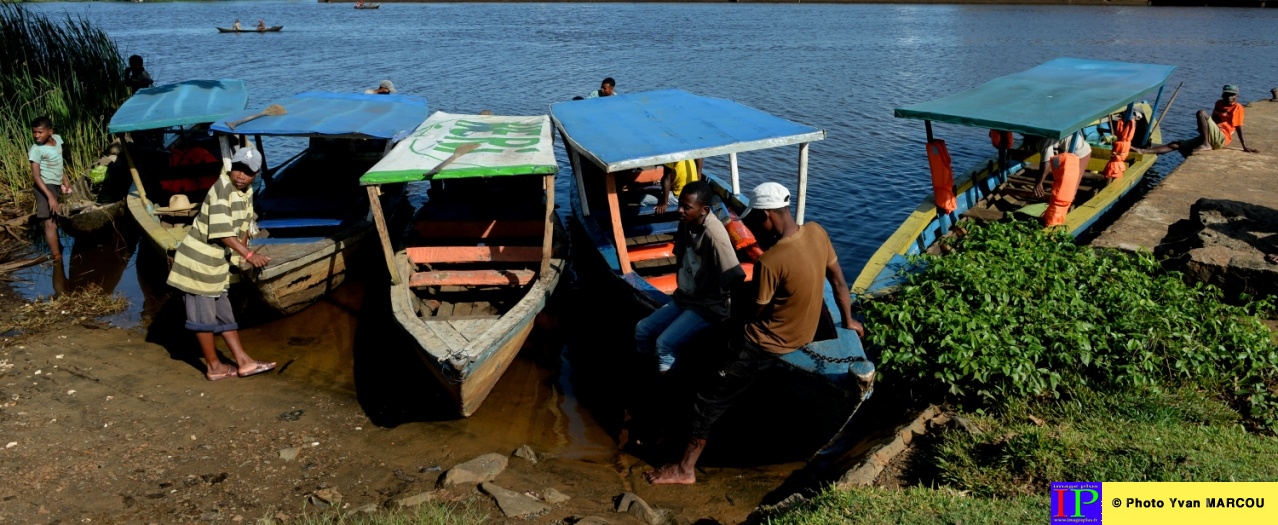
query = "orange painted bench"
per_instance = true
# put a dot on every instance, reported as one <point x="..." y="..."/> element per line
<point x="479" y="229"/>
<point x="466" y="254"/>
<point x="472" y="278"/>
<point x="648" y="252"/>
<point x="668" y="283"/>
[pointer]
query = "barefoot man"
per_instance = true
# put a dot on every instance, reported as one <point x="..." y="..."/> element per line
<point x="1215" y="129"/>
<point x="787" y="310"/>
<point x="201" y="268"/>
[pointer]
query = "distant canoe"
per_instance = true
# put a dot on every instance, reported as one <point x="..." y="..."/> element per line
<point x="370" y="6"/>
<point x="272" y="29"/>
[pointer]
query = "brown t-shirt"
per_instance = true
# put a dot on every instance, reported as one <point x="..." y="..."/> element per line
<point x="791" y="279"/>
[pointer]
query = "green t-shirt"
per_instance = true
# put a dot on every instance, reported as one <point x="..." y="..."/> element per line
<point x="50" y="158"/>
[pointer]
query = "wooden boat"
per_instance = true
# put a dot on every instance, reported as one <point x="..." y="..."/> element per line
<point x="1057" y="99"/>
<point x="272" y="29"/>
<point x="368" y="6"/>
<point x="310" y="212"/>
<point x="87" y="218"/>
<point x="609" y="139"/>
<point x="483" y="254"/>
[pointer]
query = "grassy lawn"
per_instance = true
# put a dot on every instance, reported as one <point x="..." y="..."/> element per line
<point x="912" y="506"/>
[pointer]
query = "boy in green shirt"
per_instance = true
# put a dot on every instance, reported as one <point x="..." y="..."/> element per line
<point x="48" y="173"/>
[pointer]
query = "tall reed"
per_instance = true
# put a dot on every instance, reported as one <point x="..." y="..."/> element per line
<point x="66" y="69"/>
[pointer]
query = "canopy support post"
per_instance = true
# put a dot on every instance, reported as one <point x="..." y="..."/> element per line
<point x="375" y="207"/>
<point x="618" y="234"/>
<point x="736" y="178"/>
<point x="803" y="181"/>
<point x="137" y="179"/>
<point x="1149" y="126"/>
<point x="224" y="143"/>
<point x="575" y="160"/>
<point x="547" y="242"/>
<point x="928" y="125"/>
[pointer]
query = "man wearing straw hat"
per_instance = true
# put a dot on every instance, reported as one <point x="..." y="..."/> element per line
<point x="201" y="268"/>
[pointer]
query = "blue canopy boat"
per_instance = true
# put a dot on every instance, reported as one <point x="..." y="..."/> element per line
<point x="309" y="208"/>
<point x="1056" y="100"/>
<point x="623" y="139"/>
<point x="156" y="119"/>
<point x="484" y="251"/>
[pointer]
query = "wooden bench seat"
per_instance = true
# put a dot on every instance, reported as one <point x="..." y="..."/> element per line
<point x="428" y="229"/>
<point x="298" y="222"/>
<point x="657" y="228"/>
<point x="650" y="252"/>
<point x="668" y="283"/>
<point x="467" y="254"/>
<point x="472" y="278"/>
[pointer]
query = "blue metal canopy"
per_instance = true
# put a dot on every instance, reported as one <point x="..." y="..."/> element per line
<point x="180" y="104"/>
<point x="1053" y="99"/>
<point x="319" y="114"/>
<point x="655" y="127"/>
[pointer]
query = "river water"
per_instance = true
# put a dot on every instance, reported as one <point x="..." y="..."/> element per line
<point x="838" y="67"/>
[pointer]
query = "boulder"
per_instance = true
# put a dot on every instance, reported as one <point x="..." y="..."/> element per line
<point x="478" y="470"/>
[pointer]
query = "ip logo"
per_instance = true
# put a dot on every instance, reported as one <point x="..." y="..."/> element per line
<point x="1076" y="502"/>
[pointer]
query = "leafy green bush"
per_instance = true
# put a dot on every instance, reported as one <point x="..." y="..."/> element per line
<point x="1020" y="312"/>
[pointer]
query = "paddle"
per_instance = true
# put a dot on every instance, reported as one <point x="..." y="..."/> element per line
<point x="461" y="150"/>
<point x="273" y="110"/>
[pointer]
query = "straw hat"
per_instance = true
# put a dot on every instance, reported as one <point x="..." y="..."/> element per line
<point x="178" y="202"/>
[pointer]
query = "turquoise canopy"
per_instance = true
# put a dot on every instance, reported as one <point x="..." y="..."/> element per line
<point x="180" y="104"/>
<point x="334" y="115"/>
<point x="655" y="127"/>
<point x="1052" y="100"/>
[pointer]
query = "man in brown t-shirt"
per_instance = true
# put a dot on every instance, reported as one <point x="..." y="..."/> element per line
<point x="788" y="308"/>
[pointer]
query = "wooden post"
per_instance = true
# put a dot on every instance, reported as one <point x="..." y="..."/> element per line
<point x="618" y="234"/>
<point x="375" y="205"/>
<point x="261" y="150"/>
<point x="803" y="181"/>
<point x="736" y="178"/>
<point x="575" y="159"/>
<point x="548" y="241"/>
<point x="928" y="125"/>
<point x="137" y="179"/>
<point x="224" y="143"/>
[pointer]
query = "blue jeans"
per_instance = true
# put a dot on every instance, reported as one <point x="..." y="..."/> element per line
<point x="652" y="200"/>
<point x="665" y="331"/>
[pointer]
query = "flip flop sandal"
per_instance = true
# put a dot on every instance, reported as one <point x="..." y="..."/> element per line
<point x="229" y="373"/>
<point x="259" y="368"/>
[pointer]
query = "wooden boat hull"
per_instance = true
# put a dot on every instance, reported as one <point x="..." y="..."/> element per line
<point x="468" y="357"/>
<point x="88" y="220"/>
<point x="272" y="29"/>
<point x="854" y="379"/>
<point x="923" y="227"/>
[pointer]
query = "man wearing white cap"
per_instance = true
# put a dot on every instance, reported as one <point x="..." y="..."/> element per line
<point x="201" y="268"/>
<point x="790" y="278"/>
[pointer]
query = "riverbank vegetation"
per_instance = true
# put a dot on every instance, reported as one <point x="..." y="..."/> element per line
<point x="66" y="69"/>
<point x="1063" y="362"/>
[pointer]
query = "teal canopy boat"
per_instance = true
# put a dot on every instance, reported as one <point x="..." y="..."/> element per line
<point x="483" y="253"/>
<point x="1066" y="99"/>
<point x="311" y="216"/>
<point x="620" y="142"/>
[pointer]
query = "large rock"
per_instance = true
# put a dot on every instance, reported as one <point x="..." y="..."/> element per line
<point x="478" y="470"/>
<point x="637" y="507"/>
<point x="1228" y="246"/>
<point x="514" y="504"/>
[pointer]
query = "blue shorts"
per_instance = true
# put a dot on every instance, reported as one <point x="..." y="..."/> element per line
<point x="209" y="314"/>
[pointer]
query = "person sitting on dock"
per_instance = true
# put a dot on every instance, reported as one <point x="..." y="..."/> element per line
<point x="201" y="269"/>
<point x="607" y="88"/>
<point x="1215" y="129"/>
<point x="787" y="313"/>
<point x="708" y="270"/>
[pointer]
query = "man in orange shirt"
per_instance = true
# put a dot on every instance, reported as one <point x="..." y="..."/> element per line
<point x="1215" y="129"/>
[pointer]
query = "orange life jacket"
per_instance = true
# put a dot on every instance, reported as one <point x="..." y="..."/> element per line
<point x="1124" y="131"/>
<point x="938" y="158"/>
<point x="742" y="239"/>
<point x="1001" y="139"/>
<point x="1065" y="178"/>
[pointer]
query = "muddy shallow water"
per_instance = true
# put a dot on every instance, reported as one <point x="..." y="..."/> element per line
<point x="384" y="427"/>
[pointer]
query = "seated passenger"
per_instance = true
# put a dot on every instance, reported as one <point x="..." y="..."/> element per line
<point x="708" y="270"/>
<point x="675" y="176"/>
<point x="1075" y="144"/>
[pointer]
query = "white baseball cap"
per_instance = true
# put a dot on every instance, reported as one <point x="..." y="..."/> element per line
<point x="768" y="196"/>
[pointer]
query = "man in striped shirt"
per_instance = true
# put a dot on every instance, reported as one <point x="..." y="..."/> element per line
<point x="201" y="268"/>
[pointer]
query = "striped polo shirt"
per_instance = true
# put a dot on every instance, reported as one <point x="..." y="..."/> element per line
<point x="200" y="266"/>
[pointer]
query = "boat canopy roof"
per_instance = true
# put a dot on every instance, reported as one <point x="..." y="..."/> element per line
<point x="334" y="115"/>
<point x="180" y="104"/>
<point x="1054" y="99"/>
<point x="655" y="127"/>
<point x="507" y="146"/>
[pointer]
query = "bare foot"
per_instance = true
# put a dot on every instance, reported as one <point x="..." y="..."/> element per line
<point x="1272" y="258"/>
<point x="670" y="475"/>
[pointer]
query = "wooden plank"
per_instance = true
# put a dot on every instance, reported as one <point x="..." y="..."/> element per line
<point x="477" y="229"/>
<point x="462" y="308"/>
<point x="375" y="206"/>
<point x="465" y="254"/>
<point x="618" y="236"/>
<point x="650" y="252"/>
<point x="445" y="309"/>
<point x="472" y="278"/>
<point x="461" y="325"/>
<point x="446" y="334"/>
<point x="548" y="236"/>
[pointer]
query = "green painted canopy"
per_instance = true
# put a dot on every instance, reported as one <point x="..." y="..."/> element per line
<point x="1053" y="100"/>
<point x="507" y="146"/>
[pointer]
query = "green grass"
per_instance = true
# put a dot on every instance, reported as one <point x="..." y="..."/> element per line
<point x="911" y="506"/>
<point x="425" y="514"/>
